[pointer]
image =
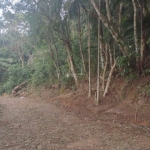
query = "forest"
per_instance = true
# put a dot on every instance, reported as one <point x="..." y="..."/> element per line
<point x="44" y="42"/>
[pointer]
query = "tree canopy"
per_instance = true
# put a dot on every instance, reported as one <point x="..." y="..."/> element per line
<point x="65" y="41"/>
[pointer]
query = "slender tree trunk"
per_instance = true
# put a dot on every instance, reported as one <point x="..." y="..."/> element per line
<point x="22" y="59"/>
<point x="101" y="44"/>
<point x="109" y="19"/>
<point x="143" y="42"/>
<point x="55" y="64"/>
<point x="120" y="16"/>
<point x="112" y="29"/>
<point x="110" y="55"/>
<point x="114" y="52"/>
<point x="108" y="10"/>
<point x="109" y="79"/>
<point x="143" y="45"/>
<point x="102" y="47"/>
<point x="80" y="43"/>
<point x="98" y="64"/>
<point x="102" y="55"/>
<point x="135" y="32"/>
<point x="21" y="56"/>
<point x="89" y="54"/>
<point x="57" y="61"/>
<point x="105" y="67"/>
<point x="56" y="50"/>
<point x="67" y="41"/>
<point x="72" y="66"/>
<point x="30" y="59"/>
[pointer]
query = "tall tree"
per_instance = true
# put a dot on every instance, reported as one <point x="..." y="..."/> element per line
<point x="98" y="61"/>
<point x="135" y="30"/>
<point x="114" y="32"/>
<point x="89" y="53"/>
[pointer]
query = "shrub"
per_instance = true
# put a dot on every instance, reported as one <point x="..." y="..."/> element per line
<point x="127" y="64"/>
<point x="14" y="76"/>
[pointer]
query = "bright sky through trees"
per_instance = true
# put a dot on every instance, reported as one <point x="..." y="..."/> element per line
<point x="13" y="1"/>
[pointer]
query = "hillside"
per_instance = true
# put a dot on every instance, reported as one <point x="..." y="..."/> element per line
<point x="127" y="102"/>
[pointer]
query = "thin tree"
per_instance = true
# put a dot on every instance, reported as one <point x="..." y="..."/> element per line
<point x="80" y="40"/>
<point x="89" y="53"/>
<point x="106" y="65"/>
<point x="98" y="63"/>
<point x="112" y="29"/>
<point x="108" y="10"/>
<point x="120" y="16"/>
<point x="143" y="44"/>
<point x="135" y="30"/>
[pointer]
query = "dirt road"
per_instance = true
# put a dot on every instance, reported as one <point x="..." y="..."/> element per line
<point x="37" y="125"/>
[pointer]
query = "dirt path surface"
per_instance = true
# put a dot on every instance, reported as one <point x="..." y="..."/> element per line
<point x="37" y="125"/>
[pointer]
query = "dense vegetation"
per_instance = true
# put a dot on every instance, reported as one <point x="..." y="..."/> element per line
<point x="64" y="41"/>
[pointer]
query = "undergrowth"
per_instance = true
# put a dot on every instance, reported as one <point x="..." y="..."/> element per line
<point x="145" y="91"/>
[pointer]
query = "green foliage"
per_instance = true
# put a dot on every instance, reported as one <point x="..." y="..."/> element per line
<point x="14" y="76"/>
<point x="42" y="73"/>
<point x="147" y="90"/>
<point x="147" y="71"/>
<point x="132" y="76"/>
<point x="37" y="33"/>
<point x="127" y="64"/>
<point x="148" y="41"/>
<point x="43" y="70"/>
<point x="67" y="81"/>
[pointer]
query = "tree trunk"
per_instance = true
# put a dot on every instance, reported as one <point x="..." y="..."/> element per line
<point x="143" y="45"/>
<point x="22" y="60"/>
<point x="18" y="88"/>
<point x="55" y="64"/>
<point x="112" y="30"/>
<point x="110" y="55"/>
<point x="143" y="42"/>
<point x="105" y="67"/>
<point x="135" y="31"/>
<point x="80" y="43"/>
<point x="109" y="79"/>
<point x="102" y="46"/>
<point x="108" y="10"/>
<point x="98" y="64"/>
<point x="110" y="20"/>
<point x="21" y="57"/>
<point x="72" y="66"/>
<point x="120" y="11"/>
<point x="89" y="54"/>
<point x="114" y="52"/>
<point x="102" y="55"/>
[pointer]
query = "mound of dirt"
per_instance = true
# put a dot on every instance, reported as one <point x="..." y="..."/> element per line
<point x="126" y="101"/>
